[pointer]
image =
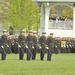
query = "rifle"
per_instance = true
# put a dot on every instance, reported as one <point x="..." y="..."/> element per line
<point x="29" y="51"/>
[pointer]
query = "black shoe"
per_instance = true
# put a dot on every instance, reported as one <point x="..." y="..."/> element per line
<point x="48" y="60"/>
<point x="21" y="59"/>
<point x="28" y="59"/>
<point x="42" y="59"/>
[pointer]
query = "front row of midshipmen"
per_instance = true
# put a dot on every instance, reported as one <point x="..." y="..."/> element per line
<point x="28" y="44"/>
<point x="4" y="45"/>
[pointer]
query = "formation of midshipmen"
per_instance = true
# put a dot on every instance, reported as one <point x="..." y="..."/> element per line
<point x="33" y="44"/>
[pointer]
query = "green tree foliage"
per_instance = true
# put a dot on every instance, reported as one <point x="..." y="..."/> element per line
<point x="53" y="10"/>
<point x="67" y="11"/>
<point x="23" y="14"/>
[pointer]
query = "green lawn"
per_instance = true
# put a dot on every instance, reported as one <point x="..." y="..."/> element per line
<point x="61" y="64"/>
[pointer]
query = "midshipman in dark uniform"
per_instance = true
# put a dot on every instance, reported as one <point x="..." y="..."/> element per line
<point x="29" y="42"/>
<point x="21" y="40"/>
<point x="50" y="43"/>
<point x="9" y="44"/>
<point x="56" y="45"/>
<point x="34" y="50"/>
<point x="42" y="42"/>
<point x="4" y="45"/>
<point x="16" y="44"/>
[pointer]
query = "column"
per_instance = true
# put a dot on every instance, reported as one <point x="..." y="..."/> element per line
<point x="59" y="11"/>
<point x="47" y="12"/>
<point x="74" y="22"/>
<point x="42" y="19"/>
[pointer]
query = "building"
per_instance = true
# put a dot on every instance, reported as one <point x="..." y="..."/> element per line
<point x="45" y="23"/>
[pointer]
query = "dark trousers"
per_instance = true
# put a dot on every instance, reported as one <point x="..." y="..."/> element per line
<point x="49" y="55"/>
<point x="3" y="54"/>
<point x="67" y="49"/>
<point x="50" y="50"/>
<point x="55" y="49"/>
<point x="63" y="50"/>
<point x="42" y="53"/>
<point x="29" y="51"/>
<point x="16" y="48"/>
<point x="34" y="51"/>
<point x="34" y="54"/>
<point x="21" y="53"/>
<point x="12" y="48"/>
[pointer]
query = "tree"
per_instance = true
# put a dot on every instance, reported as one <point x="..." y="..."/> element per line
<point x="67" y="11"/>
<point x="23" y="14"/>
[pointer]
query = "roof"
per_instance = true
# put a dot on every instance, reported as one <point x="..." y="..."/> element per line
<point x="68" y="1"/>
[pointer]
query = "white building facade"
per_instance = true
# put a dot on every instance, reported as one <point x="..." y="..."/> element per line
<point x="45" y="23"/>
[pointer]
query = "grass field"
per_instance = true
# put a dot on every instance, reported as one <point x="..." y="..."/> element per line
<point x="61" y="64"/>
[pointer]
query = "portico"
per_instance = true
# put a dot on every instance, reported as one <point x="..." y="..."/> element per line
<point x="46" y="5"/>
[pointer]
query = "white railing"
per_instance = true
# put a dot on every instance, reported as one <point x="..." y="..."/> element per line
<point x="65" y="25"/>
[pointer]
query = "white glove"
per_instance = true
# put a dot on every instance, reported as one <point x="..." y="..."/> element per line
<point x="47" y="48"/>
<point x="67" y="45"/>
<point x="7" y="45"/>
<point x="70" y="46"/>
<point x="56" y="46"/>
<point x="33" y="47"/>
<point x="40" y="47"/>
<point x="19" y="46"/>
<point x="12" y="44"/>
<point x="2" y="46"/>
<point x="26" y="46"/>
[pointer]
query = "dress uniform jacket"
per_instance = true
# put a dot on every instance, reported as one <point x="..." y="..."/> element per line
<point x="42" y="42"/>
<point x="29" y="42"/>
<point x="50" y="43"/>
<point x="3" y="47"/>
<point x="21" y="40"/>
<point x="34" y="50"/>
